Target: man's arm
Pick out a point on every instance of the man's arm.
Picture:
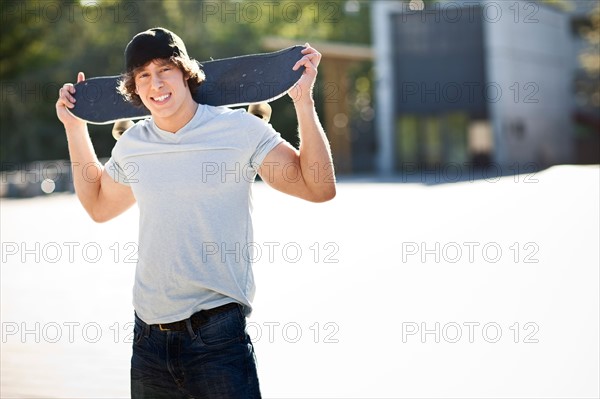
(100, 195)
(308, 172)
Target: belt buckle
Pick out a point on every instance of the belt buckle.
(160, 326)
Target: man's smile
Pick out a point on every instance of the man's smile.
(161, 99)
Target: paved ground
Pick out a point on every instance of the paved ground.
(473, 289)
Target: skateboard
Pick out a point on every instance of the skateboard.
(235, 81)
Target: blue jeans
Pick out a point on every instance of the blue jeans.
(215, 361)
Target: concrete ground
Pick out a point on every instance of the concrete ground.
(486, 288)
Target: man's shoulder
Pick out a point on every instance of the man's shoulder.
(222, 111)
(137, 132)
(236, 117)
(138, 129)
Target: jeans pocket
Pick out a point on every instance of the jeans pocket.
(222, 330)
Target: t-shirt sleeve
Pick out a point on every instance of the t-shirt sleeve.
(264, 139)
(115, 171)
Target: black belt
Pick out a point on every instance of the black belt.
(197, 319)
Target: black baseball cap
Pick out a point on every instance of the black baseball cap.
(152, 44)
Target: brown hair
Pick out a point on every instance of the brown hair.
(191, 72)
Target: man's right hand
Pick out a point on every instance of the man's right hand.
(66, 101)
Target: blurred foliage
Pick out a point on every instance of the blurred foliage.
(45, 43)
(563, 5)
(590, 59)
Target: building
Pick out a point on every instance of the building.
(473, 83)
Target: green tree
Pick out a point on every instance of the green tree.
(45, 43)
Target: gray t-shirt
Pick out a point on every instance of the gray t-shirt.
(193, 189)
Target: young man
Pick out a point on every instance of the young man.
(190, 168)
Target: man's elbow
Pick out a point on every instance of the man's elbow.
(323, 195)
(98, 217)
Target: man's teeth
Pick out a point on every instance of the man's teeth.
(161, 98)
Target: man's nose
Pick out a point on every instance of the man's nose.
(157, 82)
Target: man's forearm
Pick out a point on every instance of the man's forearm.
(315, 154)
(85, 165)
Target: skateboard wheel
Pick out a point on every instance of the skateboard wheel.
(261, 110)
(119, 127)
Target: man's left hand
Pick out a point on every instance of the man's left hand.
(302, 90)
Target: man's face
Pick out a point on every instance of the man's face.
(162, 88)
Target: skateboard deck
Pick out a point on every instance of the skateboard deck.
(242, 80)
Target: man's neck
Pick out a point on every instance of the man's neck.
(181, 118)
